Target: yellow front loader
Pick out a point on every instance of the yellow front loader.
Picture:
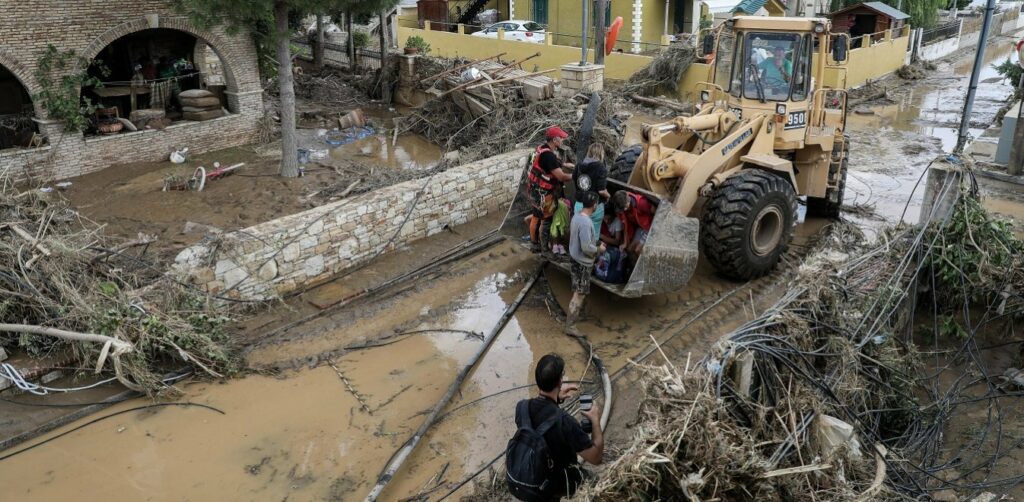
(726, 180)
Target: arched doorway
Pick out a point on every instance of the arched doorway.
(16, 112)
(144, 75)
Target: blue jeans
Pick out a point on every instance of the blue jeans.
(597, 217)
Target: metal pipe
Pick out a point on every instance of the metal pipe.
(583, 60)
(665, 32)
(979, 60)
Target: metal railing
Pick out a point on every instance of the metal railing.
(338, 54)
(948, 30)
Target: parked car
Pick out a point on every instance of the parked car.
(524, 31)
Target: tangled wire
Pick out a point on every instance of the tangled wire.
(68, 286)
(826, 396)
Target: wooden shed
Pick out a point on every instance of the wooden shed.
(868, 18)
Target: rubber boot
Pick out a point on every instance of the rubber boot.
(545, 239)
(573, 315)
(534, 234)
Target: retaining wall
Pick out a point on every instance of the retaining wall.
(289, 253)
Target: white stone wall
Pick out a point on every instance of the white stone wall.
(286, 254)
(940, 49)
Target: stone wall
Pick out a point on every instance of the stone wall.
(87, 26)
(286, 254)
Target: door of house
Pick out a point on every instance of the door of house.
(540, 11)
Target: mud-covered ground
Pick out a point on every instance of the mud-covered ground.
(319, 422)
(129, 198)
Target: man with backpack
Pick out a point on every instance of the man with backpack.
(540, 463)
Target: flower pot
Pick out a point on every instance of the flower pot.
(110, 127)
(412, 50)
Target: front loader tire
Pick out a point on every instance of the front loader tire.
(625, 162)
(829, 205)
(748, 224)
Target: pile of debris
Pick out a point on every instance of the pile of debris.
(485, 108)
(70, 288)
(664, 73)
(824, 396)
(916, 71)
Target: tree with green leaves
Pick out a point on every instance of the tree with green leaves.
(253, 15)
(274, 20)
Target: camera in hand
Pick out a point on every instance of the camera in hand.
(586, 402)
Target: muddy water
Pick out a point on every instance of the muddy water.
(382, 148)
(893, 142)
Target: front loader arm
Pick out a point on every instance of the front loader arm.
(720, 157)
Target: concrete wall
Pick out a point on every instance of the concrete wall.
(940, 49)
(445, 44)
(87, 26)
(286, 254)
(870, 63)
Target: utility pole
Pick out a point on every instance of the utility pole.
(979, 60)
(599, 32)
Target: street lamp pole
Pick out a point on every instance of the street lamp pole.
(979, 60)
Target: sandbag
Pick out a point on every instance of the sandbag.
(201, 116)
(196, 93)
(204, 102)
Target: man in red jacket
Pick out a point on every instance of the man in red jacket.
(544, 185)
(636, 214)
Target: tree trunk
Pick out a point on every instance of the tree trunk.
(286, 83)
(599, 31)
(350, 46)
(385, 69)
(318, 52)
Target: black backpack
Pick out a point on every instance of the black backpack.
(529, 466)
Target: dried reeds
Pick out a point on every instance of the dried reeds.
(59, 270)
(662, 74)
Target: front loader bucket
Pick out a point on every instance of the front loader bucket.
(670, 255)
(669, 258)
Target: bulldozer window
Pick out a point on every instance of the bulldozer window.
(802, 69)
(768, 69)
(725, 75)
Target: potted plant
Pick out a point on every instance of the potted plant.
(416, 45)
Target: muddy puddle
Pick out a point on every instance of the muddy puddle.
(376, 144)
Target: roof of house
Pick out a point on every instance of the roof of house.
(749, 6)
(879, 7)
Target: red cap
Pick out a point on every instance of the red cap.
(556, 132)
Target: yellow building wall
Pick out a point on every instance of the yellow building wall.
(565, 17)
(870, 63)
(445, 44)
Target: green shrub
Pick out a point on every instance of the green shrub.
(418, 43)
(360, 39)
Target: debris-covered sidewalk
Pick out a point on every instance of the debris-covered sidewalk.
(826, 395)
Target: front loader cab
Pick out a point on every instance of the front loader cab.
(770, 65)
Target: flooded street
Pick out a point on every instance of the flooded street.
(891, 142)
(320, 417)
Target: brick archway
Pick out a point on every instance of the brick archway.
(24, 76)
(229, 60)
